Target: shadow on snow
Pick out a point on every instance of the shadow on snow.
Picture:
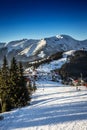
(51, 115)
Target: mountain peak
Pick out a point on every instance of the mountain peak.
(31, 50)
(59, 36)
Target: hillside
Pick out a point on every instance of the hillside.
(76, 66)
(53, 107)
(29, 50)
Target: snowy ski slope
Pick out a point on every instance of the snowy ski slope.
(53, 107)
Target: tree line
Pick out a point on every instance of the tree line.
(13, 90)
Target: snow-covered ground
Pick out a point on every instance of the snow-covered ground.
(52, 65)
(53, 107)
(30, 50)
(56, 64)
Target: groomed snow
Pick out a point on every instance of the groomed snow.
(42, 55)
(27, 51)
(56, 64)
(53, 107)
(69, 53)
(40, 45)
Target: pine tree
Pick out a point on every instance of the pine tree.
(20, 95)
(14, 82)
(13, 88)
(1, 91)
(4, 86)
(24, 95)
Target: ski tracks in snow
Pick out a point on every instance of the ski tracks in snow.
(51, 108)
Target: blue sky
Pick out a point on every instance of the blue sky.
(42, 18)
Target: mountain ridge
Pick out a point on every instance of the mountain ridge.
(28, 50)
(17, 40)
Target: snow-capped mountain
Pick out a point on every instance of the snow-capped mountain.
(30, 50)
(2, 44)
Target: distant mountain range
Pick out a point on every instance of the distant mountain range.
(29, 50)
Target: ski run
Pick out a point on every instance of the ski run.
(53, 107)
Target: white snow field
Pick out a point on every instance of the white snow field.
(53, 107)
(56, 64)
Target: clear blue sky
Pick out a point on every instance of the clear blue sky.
(42, 18)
